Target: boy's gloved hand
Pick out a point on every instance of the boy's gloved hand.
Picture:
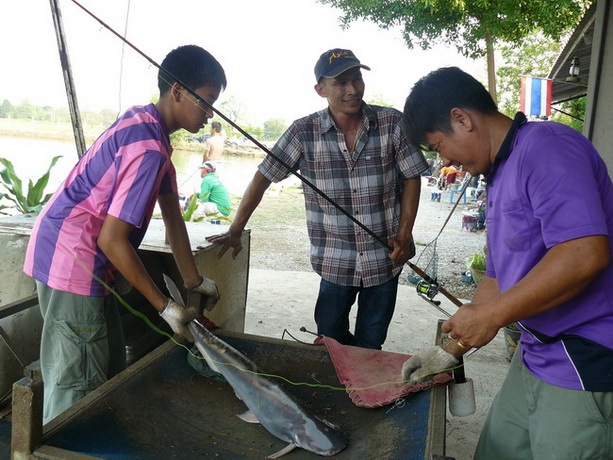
(427, 363)
(178, 317)
(208, 293)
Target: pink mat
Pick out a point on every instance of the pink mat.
(373, 377)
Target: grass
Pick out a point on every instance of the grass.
(280, 207)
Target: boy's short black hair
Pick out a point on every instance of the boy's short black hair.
(216, 126)
(428, 107)
(193, 66)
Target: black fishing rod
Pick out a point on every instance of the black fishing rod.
(384, 243)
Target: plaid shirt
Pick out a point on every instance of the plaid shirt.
(367, 183)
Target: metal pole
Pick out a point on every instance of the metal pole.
(77, 126)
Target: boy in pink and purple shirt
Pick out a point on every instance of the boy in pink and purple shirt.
(96, 220)
(120, 175)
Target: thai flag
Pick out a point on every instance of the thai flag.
(535, 96)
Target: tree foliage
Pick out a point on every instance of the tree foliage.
(273, 129)
(251, 129)
(378, 99)
(465, 24)
(27, 111)
(572, 113)
(233, 108)
(6, 108)
(534, 56)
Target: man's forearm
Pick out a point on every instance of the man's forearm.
(409, 204)
(565, 270)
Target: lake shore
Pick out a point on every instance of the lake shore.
(62, 132)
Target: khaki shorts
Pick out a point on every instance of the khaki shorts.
(82, 346)
(531, 419)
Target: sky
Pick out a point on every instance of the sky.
(268, 49)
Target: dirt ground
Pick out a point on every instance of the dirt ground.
(280, 241)
(283, 289)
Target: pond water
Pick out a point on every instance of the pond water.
(31, 159)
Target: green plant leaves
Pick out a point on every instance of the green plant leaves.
(191, 208)
(477, 261)
(32, 200)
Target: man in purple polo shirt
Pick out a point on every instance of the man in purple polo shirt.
(97, 218)
(549, 218)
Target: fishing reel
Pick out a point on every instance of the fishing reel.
(427, 289)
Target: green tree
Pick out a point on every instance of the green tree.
(24, 110)
(378, 99)
(273, 129)
(534, 56)
(253, 130)
(47, 113)
(6, 109)
(473, 27)
(572, 113)
(232, 108)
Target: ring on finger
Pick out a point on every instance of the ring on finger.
(460, 344)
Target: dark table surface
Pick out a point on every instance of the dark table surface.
(168, 410)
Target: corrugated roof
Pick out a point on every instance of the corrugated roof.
(579, 46)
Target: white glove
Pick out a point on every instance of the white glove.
(178, 318)
(209, 294)
(427, 363)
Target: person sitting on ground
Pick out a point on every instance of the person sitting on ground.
(213, 196)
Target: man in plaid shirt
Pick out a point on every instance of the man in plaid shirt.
(359, 157)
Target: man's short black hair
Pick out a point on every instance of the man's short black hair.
(428, 107)
(193, 66)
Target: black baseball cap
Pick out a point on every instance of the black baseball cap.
(336, 61)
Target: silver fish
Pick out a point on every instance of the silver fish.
(268, 403)
(273, 408)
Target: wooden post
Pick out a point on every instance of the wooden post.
(27, 417)
(71, 93)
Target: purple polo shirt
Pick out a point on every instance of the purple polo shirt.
(553, 187)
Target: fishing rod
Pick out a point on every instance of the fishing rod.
(209, 106)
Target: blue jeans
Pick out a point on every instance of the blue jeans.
(375, 310)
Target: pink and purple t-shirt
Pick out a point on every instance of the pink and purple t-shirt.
(121, 174)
